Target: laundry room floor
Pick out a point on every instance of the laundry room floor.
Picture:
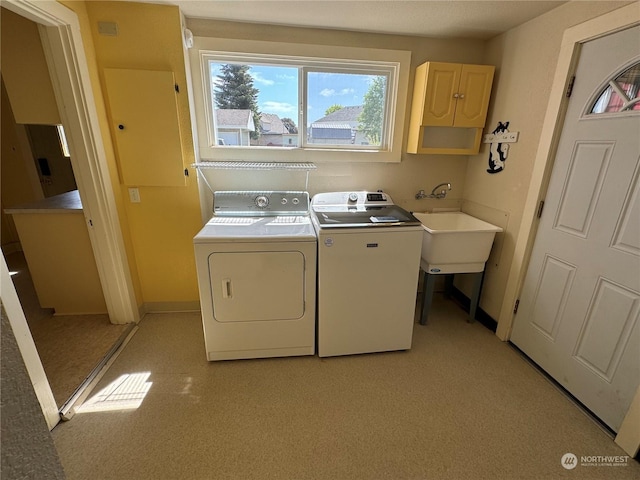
(459, 404)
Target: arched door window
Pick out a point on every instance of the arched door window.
(620, 94)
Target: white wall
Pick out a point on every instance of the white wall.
(526, 58)
(402, 180)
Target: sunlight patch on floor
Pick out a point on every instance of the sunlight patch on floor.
(125, 393)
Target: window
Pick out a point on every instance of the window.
(621, 93)
(253, 105)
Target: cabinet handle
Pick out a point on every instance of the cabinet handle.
(455, 95)
(121, 127)
(461, 96)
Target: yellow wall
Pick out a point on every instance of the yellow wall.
(85, 26)
(18, 182)
(162, 226)
(25, 72)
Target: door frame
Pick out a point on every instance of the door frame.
(63, 44)
(628, 437)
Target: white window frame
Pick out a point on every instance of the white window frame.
(310, 58)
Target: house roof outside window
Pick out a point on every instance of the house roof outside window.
(234, 118)
(339, 125)
(344, 115)
(272, 125)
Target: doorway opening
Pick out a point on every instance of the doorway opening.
(71, 345)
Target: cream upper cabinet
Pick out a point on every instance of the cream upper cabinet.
(449, 95)
(145, 125)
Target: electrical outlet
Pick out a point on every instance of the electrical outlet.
(504, 137)
(134, 195)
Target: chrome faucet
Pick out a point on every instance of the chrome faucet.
(435, 193)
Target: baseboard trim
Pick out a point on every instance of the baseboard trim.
(481, 316)
(170, 307)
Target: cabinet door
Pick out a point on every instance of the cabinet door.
(144, 119)
(473, 95)
(441, 88)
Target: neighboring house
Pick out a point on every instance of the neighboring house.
(234, 126)
(274, 133)
(340, 127)
(332, 133)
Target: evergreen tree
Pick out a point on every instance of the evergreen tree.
(235, 90)
(372, 117)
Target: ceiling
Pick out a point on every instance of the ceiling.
(479, 19)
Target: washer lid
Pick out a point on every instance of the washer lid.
(363, 216)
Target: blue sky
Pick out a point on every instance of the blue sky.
(278, 88)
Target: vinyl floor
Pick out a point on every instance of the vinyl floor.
(460, 404)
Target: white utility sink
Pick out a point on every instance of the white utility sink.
(454, 242)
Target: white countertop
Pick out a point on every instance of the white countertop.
(68, 202)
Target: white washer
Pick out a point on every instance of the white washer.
(368, 266)
(256, 265)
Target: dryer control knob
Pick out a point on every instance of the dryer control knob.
(353, 197)
(262, 201)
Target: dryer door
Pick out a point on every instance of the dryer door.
(254, 286)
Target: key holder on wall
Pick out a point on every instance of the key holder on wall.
(499, 139)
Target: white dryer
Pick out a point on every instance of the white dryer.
(256, 265)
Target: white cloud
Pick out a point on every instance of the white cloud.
(258, 78)
(286, 77)
(277, 107)
(330, 92)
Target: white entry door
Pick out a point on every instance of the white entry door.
(579, 308)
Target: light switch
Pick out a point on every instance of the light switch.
(134, 195)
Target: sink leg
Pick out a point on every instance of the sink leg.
(427, 297)
(475, 295)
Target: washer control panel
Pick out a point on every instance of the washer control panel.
(260, 203)
(351, 199)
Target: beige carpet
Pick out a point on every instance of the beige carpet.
(459, 405)
(69, 346)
